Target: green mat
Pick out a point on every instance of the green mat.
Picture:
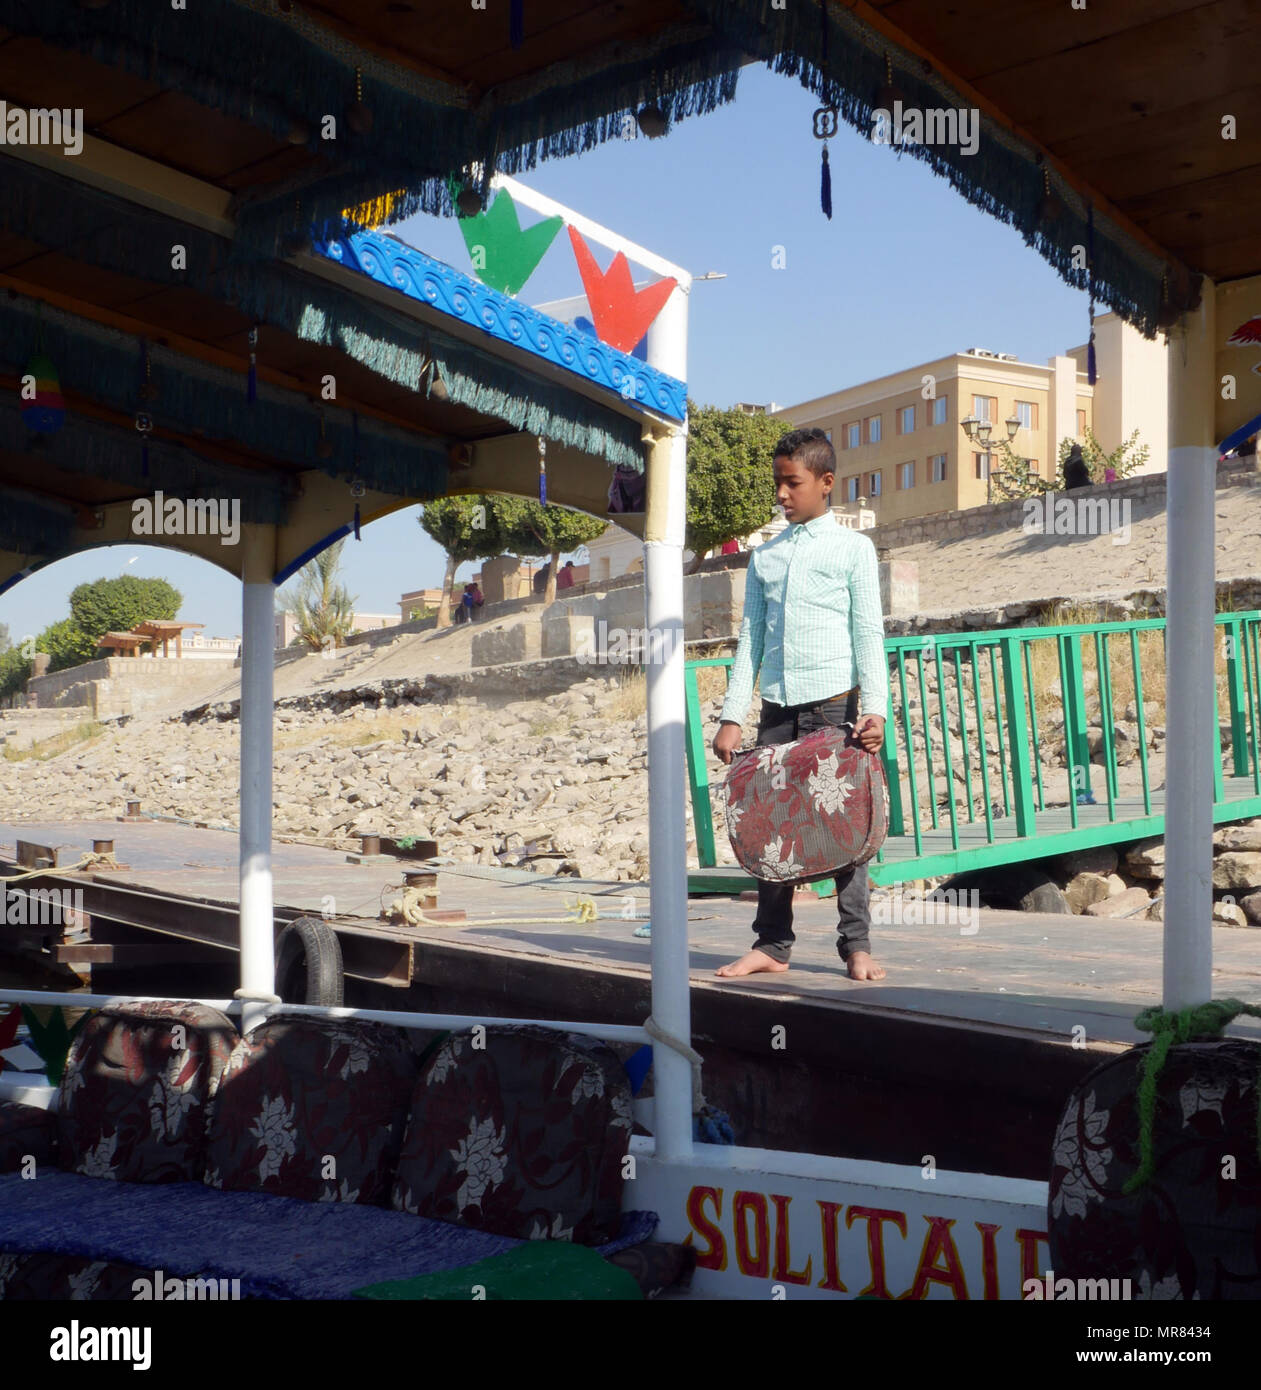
(536, 1271)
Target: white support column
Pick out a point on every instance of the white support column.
(1190, 692)
(258, 973)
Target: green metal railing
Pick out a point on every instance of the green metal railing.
(1055, 690)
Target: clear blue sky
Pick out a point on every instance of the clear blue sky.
(906, 271)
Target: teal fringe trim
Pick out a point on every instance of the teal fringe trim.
(195, 398)
(263, 68)
(1002, 178)
(105, 231)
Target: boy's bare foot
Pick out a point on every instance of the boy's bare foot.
(753, 964)
(862, 967)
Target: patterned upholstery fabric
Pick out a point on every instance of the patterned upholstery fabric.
(312, 1109)
(134, 1093)
(522, 1137)
(1191, 1231)
(802, 810)
(74, 1278)
(657, 1265)
(26, 1130)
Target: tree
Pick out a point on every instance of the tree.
(106, 605)
(466, 528)
(528, 527)
(730, 483)
(322, 607)
(1011, 476)
(1124, 459)
(15, 671)
(5, 640)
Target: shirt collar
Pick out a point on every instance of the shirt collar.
(817, 523)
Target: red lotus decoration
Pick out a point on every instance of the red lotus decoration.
(1246, 334)
(620, 312)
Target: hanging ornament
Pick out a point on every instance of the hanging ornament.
(43, 412)
(542, 471)
(324, 449)
(889, 95)
(508, 255)
(357, 490)
(359, 116)
(143, 420)
(516, 23)
(251, 378)
(652, 121)
(1168, 313)
(825, 126)
(298, 238)
(1049, 206)
(621, 313)
(1090, 270)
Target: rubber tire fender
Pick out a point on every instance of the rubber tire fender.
(309, 957)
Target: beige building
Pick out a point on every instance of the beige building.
(900, 448)
(287, 626)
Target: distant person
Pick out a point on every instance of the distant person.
(565, 579)
(1109, 475)
(731, 547)
(473, 599)
(1076, 474)
(540, 577)
(463, 608)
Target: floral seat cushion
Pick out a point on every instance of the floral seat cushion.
(312, 1109)
(133, 1096)
(804, 810)
(1190, 1231)
(522, 1136)
(28, 1134)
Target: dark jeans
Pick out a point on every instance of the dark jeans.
(773, 924)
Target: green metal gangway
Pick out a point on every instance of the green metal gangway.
(986, 797)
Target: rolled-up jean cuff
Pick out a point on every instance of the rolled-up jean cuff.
(777, 950)
(850, 945)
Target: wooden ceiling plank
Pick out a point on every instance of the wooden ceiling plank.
(39, 74)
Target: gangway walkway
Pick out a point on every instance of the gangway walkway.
(1045, 725)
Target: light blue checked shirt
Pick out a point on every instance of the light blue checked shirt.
(812, 621)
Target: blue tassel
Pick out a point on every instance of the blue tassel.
(516, 23)
(712, 1127)
(356, 520)
(542, 488)
(1090, 357)
(825, 187)
(251, 381)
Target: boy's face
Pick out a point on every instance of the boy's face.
(798, 491)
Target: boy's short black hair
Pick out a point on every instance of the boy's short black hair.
(811, 448)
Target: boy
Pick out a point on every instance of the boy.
(813, 627)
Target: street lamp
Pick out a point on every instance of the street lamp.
(980, 432)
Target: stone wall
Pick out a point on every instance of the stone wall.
(116, 686)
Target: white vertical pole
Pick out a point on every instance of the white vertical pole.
(258, 975)
(667, 825)
(1190, 687)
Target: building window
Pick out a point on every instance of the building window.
(851, 488)
(937, 411)
(906, 420)
(937, 468)
(829, 435)
(982, 466)
(1027, 414)
(873, 430)
(906, 475)
(1081, 424)
(1031, 465)
(873, 485)
(985, 408)
(853, 435)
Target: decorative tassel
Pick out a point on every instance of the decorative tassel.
(825, 186)
(1090, 267)
(516, 24)
(356, 520)
(251, 380)
(542, 471)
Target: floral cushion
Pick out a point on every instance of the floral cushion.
(27, 1132)
(1190, 1232)
(523, 1136)
(78, 1278)
(804, 810)
(134, 1092)
(312, 1109)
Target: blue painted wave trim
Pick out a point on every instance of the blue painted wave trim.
(391, 262)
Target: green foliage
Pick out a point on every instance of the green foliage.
(15, 670)
(66, 644)
(1011, 476)
(529, 528)
(5, 640)
(322, 607)
(1125, 458)
(116, 605)
(467, 528)
(730, 485)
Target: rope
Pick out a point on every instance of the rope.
(1199, 1021)
(88, 861)
(582, 909)
(709, 1125)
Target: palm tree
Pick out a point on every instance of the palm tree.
(323, 609)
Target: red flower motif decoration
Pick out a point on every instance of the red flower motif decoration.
(1247, 333)
(620, 312)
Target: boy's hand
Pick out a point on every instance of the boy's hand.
(869, 732)
(726, 741)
